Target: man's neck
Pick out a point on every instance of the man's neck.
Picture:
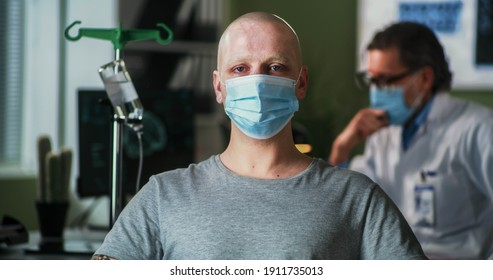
(265, 159)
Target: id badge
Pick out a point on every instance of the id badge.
(424, 205)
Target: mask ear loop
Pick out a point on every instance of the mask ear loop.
(220, 79)
(417, 102)
(299, 76)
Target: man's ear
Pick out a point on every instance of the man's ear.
(427, 78)
(217, 87)
(302, 85)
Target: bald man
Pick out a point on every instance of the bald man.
(261, 198)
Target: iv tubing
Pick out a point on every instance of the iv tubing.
(141, 159)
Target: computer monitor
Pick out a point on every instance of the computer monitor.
(168, 139)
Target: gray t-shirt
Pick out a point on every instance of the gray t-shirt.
(208, 212)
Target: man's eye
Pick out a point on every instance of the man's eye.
(239, 69)
(378, 81)
(276, 67)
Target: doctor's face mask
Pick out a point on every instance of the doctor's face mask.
(391, 100)
(260, 105)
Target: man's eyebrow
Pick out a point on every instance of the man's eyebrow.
(245, 60)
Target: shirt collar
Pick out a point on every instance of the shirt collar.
(410, 130)
(421, 117)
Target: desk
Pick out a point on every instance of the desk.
(78, 244)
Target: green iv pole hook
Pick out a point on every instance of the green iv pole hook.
(119, 37)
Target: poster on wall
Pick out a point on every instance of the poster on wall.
(464, 27)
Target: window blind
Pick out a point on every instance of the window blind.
(11, 89)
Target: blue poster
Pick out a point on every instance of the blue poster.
(442, 16)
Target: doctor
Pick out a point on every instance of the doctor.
(432, 153)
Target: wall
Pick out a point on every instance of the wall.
(22, 208)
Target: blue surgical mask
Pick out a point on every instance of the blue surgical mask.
(260, 105)
(391, 100)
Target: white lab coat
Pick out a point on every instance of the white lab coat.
(456, 142)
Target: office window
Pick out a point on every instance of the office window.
(11, 91)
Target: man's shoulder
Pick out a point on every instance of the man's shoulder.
(472, 118)
(465, 109)
(193, 170)
(345, 177)
(479, 110)
(191, 167)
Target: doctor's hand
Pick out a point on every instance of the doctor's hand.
(364, 123)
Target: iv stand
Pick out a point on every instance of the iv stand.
(116, 201)
(119, 38)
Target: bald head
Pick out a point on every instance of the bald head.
(253, 27)
(259, 43)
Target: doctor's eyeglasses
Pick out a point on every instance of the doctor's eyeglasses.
(364, 80)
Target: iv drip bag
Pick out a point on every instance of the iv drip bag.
(122, 94)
